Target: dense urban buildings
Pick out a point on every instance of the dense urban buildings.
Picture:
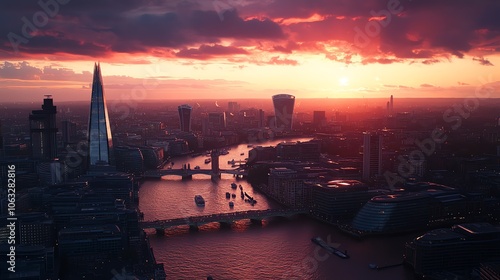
(460, 248)
(335, 175)
(250, 140)
(331, 167)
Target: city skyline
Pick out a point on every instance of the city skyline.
(320, 139)
(221, 49)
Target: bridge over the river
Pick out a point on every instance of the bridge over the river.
(187, 173)
(223, 218)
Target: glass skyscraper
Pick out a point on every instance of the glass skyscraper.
(283, 111)
(185, 117)
(372, 155)
(100, 140)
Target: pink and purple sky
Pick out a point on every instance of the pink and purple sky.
(223, 49)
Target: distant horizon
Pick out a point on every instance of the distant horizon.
(196, 48)
(244, 99)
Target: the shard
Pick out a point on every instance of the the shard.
(100, 140)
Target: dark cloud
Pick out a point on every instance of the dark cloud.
(209, 51)
(427, 86)
(24, 71)
(21, 71)
(282, 61)
(483, 61)
(428, 31)
(99, 29)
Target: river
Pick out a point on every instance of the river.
(275, 249)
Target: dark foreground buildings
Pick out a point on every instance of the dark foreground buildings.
(458, 250)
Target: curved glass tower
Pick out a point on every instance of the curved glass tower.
(185, 117)
(100, 140)
(283, 111)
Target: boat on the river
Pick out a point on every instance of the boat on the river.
(329, 249)
(199, 200)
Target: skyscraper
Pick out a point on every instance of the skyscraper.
(99, 134)
(372, 155)
(233, 107)
(283, 111)
(319, 118)
(391, 106)
(217, 121)
(185, 117)
(261, 119)
(1, 139)
(43, 131)
(69, 133)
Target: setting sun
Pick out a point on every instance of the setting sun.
(344, 81)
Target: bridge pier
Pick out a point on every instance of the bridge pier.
(225, 224)
(193, 227)
(160, 231)
(256, 221)
(187, 177)
(215, 177)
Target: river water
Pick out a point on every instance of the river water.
(276, 249)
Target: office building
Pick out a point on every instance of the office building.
(86, 251)
(233, 107)
(319, 118)
(1, 139)
(372, 155)
(36, 228)
(69, 133)
(338, 200)
(462, 247)
(391, 213)
(216, 121)
(262, 122)
(261, 153)
(185, 117)
(153, 157)
(287, 187)
(43, 131)
(408, 211)
(283, 112)
(301, 151)
(99, 134)
(129, 159)
(31, 262)
(50, 172)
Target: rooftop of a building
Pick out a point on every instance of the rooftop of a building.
(283, 96)
(344, 184)
(476, 229)
(459, 233)
(397, 198)
(441, 235)
(79, 232)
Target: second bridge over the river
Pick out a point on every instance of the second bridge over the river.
(223, 218)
